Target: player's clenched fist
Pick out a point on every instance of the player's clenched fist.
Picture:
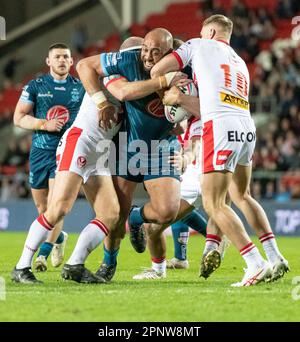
(173, 78)
(107, 115)
(107, 111)
(172, 96)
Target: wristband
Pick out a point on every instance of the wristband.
(163, 82)
(169, 77)
(42, 125)
(98, 98)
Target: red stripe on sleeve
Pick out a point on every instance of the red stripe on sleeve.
(179, 60)
(113, 80)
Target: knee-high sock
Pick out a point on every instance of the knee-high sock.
(90, 238)
(270, 247)
(38, 232)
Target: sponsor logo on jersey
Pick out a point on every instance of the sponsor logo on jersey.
(222, 156)
(25, 95)
(81, 162)
(60, 88)
(112, 58)
(45, 95)
(241, 136)
(58, 112)
(75, 96)
(156, 108)
(234, 101)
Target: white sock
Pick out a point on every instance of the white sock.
(37, 234)
(159, 265)
(89, 239)
(270, 247)
(252, 257)
(212, 242)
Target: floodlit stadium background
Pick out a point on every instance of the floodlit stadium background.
(266, 34)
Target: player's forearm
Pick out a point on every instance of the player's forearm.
(88, 76)
(138, 90)
(89, 79)
(190, 104)
(165, 65)
(29, 122)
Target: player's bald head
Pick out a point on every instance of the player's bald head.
(160, 37)
(132, 42)
(157, 43)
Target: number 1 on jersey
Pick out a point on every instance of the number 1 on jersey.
(241, 81)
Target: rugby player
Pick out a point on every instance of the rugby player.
(48, 105)
(77, 156)
(228, 144)
(145, 122)
(79, 254)
(190, 192)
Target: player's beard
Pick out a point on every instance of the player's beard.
(61, 72)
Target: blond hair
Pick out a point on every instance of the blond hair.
(225, 24)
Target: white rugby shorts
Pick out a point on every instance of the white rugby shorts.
(190, 184)
(226, 142)
(77, 152)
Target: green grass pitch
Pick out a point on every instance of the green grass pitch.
(182, 296)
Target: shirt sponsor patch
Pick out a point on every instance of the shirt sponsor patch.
(25, 94)
(222, 156)
(234, 101)
(45, 95)
(112, 58)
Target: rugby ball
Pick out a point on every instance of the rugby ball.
(176, 113)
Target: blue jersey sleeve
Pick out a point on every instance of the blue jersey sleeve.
(28, 94)
(117, 62)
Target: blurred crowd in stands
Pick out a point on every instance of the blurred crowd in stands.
(278, 142)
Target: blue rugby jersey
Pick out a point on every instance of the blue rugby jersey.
(53, 99)
(145, 119)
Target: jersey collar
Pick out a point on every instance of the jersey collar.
(222, 41)
(58, 81)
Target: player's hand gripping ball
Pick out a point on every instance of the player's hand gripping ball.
(174, 113)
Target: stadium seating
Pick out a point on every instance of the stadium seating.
(183, 20)
(9, 99)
